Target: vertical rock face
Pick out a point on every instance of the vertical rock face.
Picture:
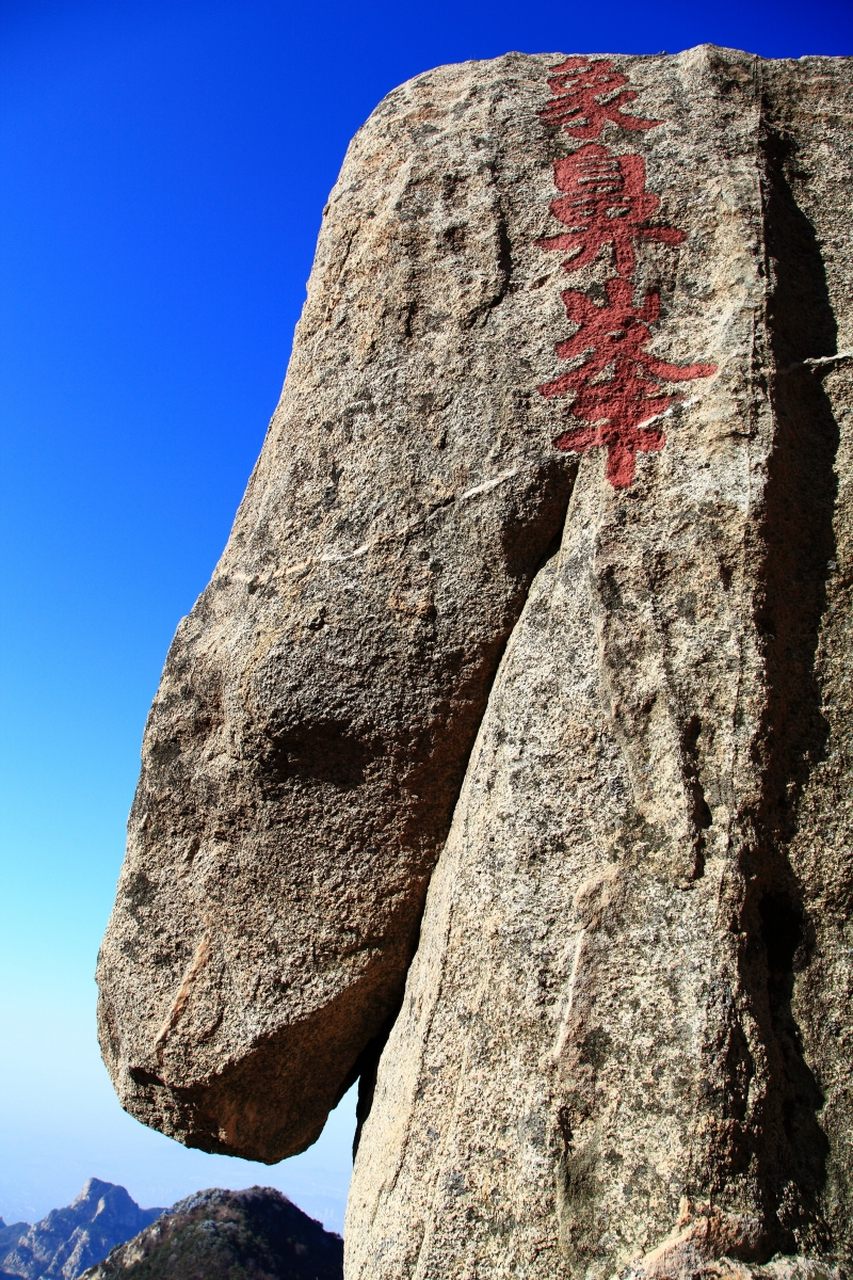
(625, 1041)
(556, 500)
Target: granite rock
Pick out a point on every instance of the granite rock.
(625, 1042)
(538, 600)
(318, 706)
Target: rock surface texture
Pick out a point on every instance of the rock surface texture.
(66, 1242)
(10, 1234)
(538, 599)
(228, 1235)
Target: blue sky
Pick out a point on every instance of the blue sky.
(164, 167)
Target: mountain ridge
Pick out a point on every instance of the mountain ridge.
(67, 1241)
(227, 1235)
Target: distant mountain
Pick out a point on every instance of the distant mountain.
(10, 1234)
(69, 1240)
(228, 1235)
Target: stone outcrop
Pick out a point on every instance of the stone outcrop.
(538, 599)
(305, 751)
(10, 1234)
(62, 1245)
(227, 1235)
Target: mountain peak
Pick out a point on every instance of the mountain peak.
(224, 1235)
(67, 1241)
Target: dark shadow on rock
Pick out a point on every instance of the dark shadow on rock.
(797, 533)
(326, 751)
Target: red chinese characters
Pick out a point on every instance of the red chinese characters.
(605, 202)
(618, 385)
(615, 336)
(578, 86)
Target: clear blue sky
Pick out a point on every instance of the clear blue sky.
(163, 167)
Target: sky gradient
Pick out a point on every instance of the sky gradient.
(164, 168)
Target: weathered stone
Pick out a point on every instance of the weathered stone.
(625, 1039)
(306, 748)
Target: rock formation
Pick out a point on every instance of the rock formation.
(10, 1234)
(66, 1242)
(228, 1235)
(538, 599)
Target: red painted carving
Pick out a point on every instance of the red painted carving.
(615, 336)
(605, 202)
(578, 86)
(618, 385)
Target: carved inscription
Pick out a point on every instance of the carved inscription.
(605, 203)
(578, 85)
(618, 385)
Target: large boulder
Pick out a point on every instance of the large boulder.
(625, 1044)
(318, 706)
(557, 500)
